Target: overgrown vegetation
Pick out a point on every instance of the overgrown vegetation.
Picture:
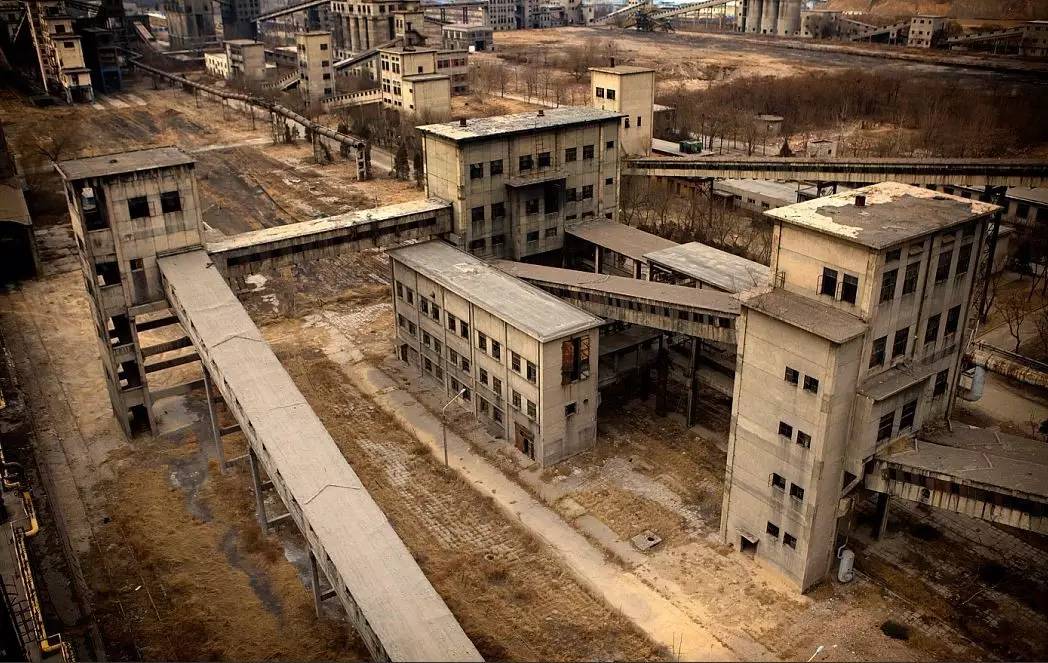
(872, 114)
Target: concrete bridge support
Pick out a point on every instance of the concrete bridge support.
(769, 17)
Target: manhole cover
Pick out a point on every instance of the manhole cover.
(646, 540)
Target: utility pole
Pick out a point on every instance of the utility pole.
(444, 423)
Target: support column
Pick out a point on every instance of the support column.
(598, 258)
(662, 377)
(693, 382)
(769, 17)
(354, 34)
(260, 501)
(209, 391)
(314, 575)
(883, 499)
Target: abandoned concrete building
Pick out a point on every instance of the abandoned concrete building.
(515, 181)
(410, 81)
(466, 37)
(519, 357)
(63, 58)
(127, 209)
(630, 91)
(316, 76)
(858, 346)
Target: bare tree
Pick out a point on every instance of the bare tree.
(1014, 309)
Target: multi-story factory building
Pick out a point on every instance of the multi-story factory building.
(521, 359)
(858, 346)
(630, 91)
(515, 181)
(317, 77)
(127, 209)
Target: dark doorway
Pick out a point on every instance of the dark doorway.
(748, 547)
(16, 252)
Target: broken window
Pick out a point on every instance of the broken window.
(849, 289)
(544, 160)
(531, 206)
(533, 411)
(170, 201)
(940, 382)
(796, 492)
(496, 167)
(496, 385)
(138, 207)
(790, 540)
(571, 154)
(532, 372)
(964, 257)
(953, 317)
(570, 409)
(587, 151)
(483, 375)
(909, 412)
(516, 399)
(434, 312)
(828, 283)
(909, 284)
(893, 255)
(515, 362)
(463, 329)
(885, 425)
(587, 191)
(107, 273)
(611, 94)
(476, 171)
(773, 530)
(931, 330)
(942, 270)
(888, 285)
(524, 163)
(778, 481)
(496, 350)
(533, 236)
(610, 145)
(877, 353)
(600, 92)
(785, 430)
(452, 322)
(811, 384)
(792, 375)
(574, 359)
(902, 337)
(551, 232)
(803, 439)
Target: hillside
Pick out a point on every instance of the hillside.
(1014, 10)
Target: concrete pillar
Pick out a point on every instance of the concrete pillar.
(354, 34)
(598, 258)
(260, 501)
(769, 17)
(883, 499)
(220, 452)
(314, 576)
(789, 22)
(693, 382)
(662, 370)
(753, 16)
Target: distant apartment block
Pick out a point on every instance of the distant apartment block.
(925, 30)
(317, 78)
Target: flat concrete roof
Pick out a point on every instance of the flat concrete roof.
(626, 240)
(329, 223)
(502, 126)
(770, 188)
(411, 620)
(981, 456)
(400, 49)
(812, 316)
(1038, 196)
(526, 307)
(124, 162)
(12, 203)
(420, 78)
(893, 213)
(624, 70)
(623, 286)
(465, 26)
(711, 266)
(244, 42)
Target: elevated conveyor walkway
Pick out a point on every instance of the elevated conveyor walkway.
(702, 313)
(982, 473)
(960, 172)
(385, 594)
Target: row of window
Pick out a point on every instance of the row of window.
(526, 162)
(787, 538)
(942, 272)
(901, 339)
(793, 376)
(605, 93)
(138, 207)
(778, 482)
(488, 345)
(786, 431)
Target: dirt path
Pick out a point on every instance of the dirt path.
(513, 597)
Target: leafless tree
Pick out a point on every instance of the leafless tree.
(1014, 308)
